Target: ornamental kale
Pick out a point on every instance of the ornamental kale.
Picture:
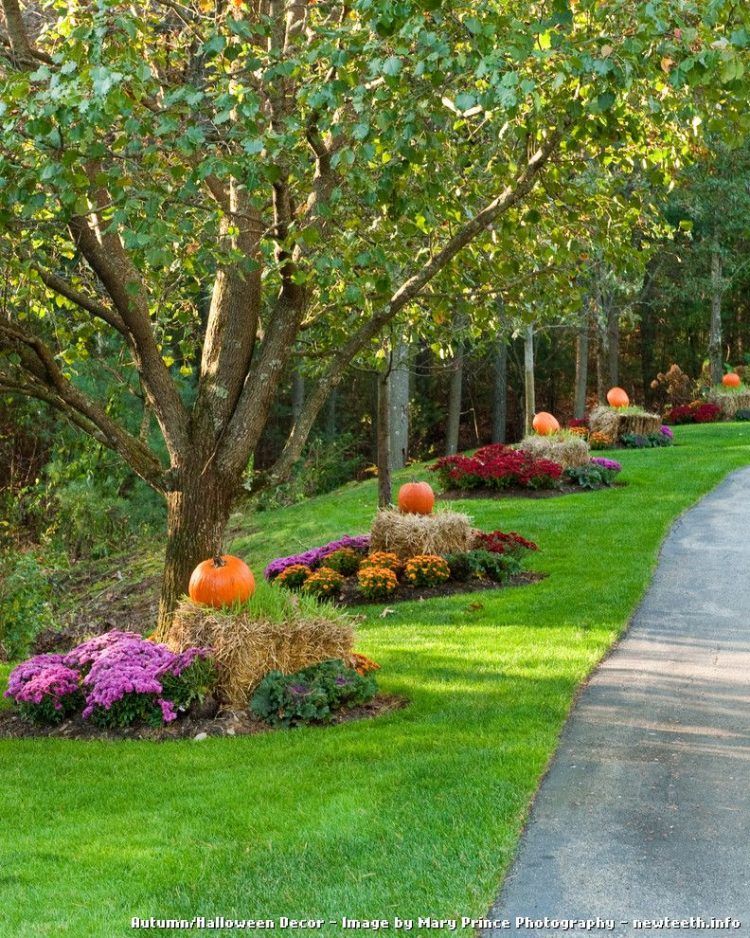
(45, 689)
(312, 695)
(312, 558)
(598, 472)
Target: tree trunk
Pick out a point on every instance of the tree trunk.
(613, 344)
(398, 400)
(298, 395)
(500, 391)
(582, 366)
(330, 417)
(197, 516)
(529, 395)
(453, 424)
(715, 357)
(647, 331)
(384, 439)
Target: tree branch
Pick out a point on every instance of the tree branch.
(61, 286)
(20, 43)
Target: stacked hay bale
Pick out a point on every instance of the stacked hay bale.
(730, 401)
(407, 535)
(612, 422)
(247, 643)
(565, 449)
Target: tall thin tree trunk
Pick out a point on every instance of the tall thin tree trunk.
(398, 399)
(384, 438)
(330, 413)
(715, 356)
(582, 365)
(613, 344)
(453, 423)
(298, 394)
(500, 390)
(529, 395)
(197, 515)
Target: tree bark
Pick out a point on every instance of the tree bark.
(455, 387)
(197, 515)
(613, 344)
(528, 380)
(384, 438)
(582, 366)
(398, 400)
(298, 395)
(715, 357)
(330, 415)
(500, 390)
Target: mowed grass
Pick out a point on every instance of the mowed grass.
(414, 814)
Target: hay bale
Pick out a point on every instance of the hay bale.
(615, 424)
(445, 532)
(729, 402)
(565, 449)
(247, 644)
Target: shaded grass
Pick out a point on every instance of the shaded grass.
(416, 813)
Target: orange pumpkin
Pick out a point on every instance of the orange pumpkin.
(221, 581)
(545, 424)
(731, 380)
(416, 498)
(616, 397)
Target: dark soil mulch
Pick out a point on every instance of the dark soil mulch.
(225, 723)
(352, 597)
(518, 492)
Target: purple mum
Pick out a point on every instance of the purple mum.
(667, 432)
(43, 678)
(611, 465)
(312, 558)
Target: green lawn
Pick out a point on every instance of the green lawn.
(417, 813)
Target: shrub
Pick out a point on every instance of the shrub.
(273, 630)
(646, 441)
(118, 678)
(314, 557)
(25, 594)
(742, 414)
(498, 542)
(345, 561)
(565, 448)
(426, 570)
(45, 689)
(462, 567)
(383, 558)
(376, 582)
(600, 440)
(294, 577)
(497, 466)
(324, 583)
(695, 412)
(312, 695)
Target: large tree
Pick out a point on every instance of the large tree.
(217, 187)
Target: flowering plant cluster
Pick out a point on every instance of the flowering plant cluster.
(648, 440)
(314, 557)
(345, 560)
(324, 583)
(581, 431)
(497, 466)
(383, 558)
(312, 695)
(578, 422)
(115, 679)
(600, 440)
(294, 577)
(500, 542)
(695, 412)
(426, 570)
(612, 465)
(376, 582)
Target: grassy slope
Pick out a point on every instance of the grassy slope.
(416, 813)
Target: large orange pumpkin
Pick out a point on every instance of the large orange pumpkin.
(545, 424)
(731, 380)
(616, 397)
(221, 581)
(416, 498)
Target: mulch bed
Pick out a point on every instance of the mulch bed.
(352, 597)
(196, 727)
(519, 492)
